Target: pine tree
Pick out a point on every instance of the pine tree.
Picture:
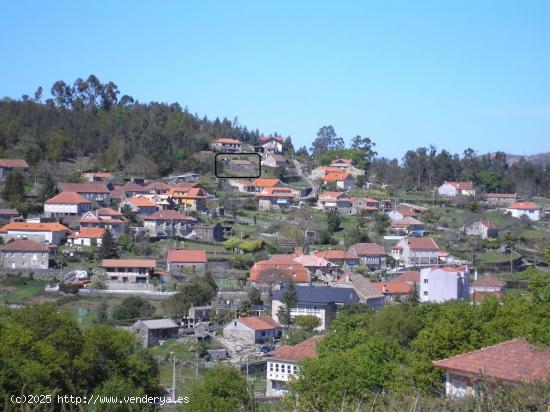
(288, 301)
(49, 189)
(14, 189)
(109, 247)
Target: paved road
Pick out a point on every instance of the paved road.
(311, 183)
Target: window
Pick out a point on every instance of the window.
(276, 367)
(425, 293)
(425, 280)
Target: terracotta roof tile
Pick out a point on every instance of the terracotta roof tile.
(129, 263)
(67, 198)
(168, 215)
(488, 280)
(511, 361)
(34, 227)
(524, 206)
(395, 287)
(187, 256)
(259, 322)
(24, 246)
(14, 163)
(296, 353)
(336, 254)
(336, 176)
(84, 187)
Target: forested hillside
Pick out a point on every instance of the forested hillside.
(90, 118)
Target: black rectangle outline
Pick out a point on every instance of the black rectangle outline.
(239, 154)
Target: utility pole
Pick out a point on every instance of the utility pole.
(173, 376)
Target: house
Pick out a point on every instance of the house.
(528, 209)
(440, 284)
(242, 185)
(152, 331)
(95, 192)
(139, 204)
(244, 166)
(105, 218)
(129, 270)
(484, 229)
(452, 189)
(412, 278)
(341, 180)
(179, 261)
(227, 145)
(363, 287)
(408, 225)
(364, 204)
(320, 301)
(253, 330)
(25, 254)
(346, 165)
(208, 233)
(134, 188)
(189, 198)
(157, 188)
(168, 223)
(501, 199)
(413, 251)
(263, 183)
(94, 177)
(396, 289)
(278, 270)
(275, 198)
(38, 232)
(371, 255)
(8, 165)
(487, 283)
(283, 364)
(67, 204)
(398, 214)
(274, 160)
(341, 258)
(338, 201)
(8, 215)
(271, 144)
(316, 265)
(510, 363)
(87, 236)
(161, 201)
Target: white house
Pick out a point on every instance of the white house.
(67, 204)
(129, 270)
(283, 364)
(338, 201)
(39, 232)
(105, 218)
(342, 180)
(528, 209)
(87, 236)
(226, 145)
(452, 189)
(275, 198)
(416, 251)
(440, 284)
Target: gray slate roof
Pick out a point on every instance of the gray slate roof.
(321, 294)
(159, 323)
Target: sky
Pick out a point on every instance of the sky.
(454, 74)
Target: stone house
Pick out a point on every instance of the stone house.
(25, 254)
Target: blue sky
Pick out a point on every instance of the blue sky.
(455, 74)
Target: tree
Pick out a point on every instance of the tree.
(14, 188)
(102, 313)
(131, 215)
(382, 223)
(289, 300)
(355, 235)
(223, 388)
(133, 308)
(109, 247)
(366, 146)
(307, 322)
(49, 188)
(326, 140)
(333, 221)
(254, 296)
(288, 147)
(200, 291)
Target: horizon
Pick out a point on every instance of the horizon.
(406, 77)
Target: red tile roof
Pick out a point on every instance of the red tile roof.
(67, 198)
(336, 176)
(367, 249)
(88, 233)
(462, 185)
(395, 287)
(14, 163)
(260, 322)
(24, 246)
(33, 227)
(512, 361)
(524, 206)
(141, 202)
(488, 280)
(407, 212)
(263, 182)
(422, 243)
(324, 196)
(336, 255)
(276, 192)
(296, 353)
(187, 256)
(409, 277)
(129, 263)
(478, 296)
(84, 187)
(226, 140)
(107, 211)
(279, 269)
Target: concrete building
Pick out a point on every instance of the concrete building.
(67, 204)
(129, 270)
(283, 364)
(253, 330)
(208, 233)
(453, 189)
(87, 236)
(371, 255)
(508, 363)
(275, 198)
(95, 192)
(168, 223)
(320, 301)
(440, 284)
(528, 209)
(342, 180)
(411, 251)
(25, 254)
(227, 145)
(179, 262)
(483, 229)
(105, 218)
(152, 331)
(9, 165)
(139, 204)
(38, 232)
(338, 201)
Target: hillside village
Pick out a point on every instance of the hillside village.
(256, 268)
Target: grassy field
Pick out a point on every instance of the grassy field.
(496, 257)
(535, 234)
(19, 290)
